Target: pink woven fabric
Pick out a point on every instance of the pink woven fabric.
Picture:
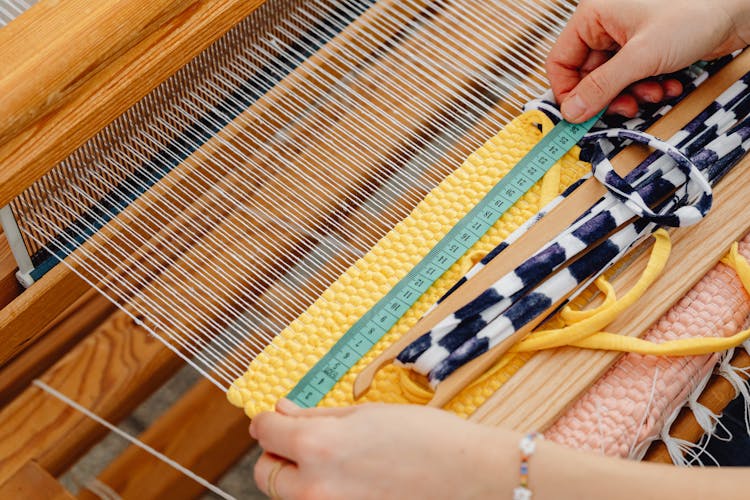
(629, 405)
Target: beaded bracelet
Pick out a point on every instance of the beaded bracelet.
(527, 447)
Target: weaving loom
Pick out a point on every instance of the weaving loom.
(218, 182)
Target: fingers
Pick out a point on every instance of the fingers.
(286, 481)
(565, 59)
(600, 87)
(624, 105)
(648, 91)
(282, 432)
(672, 88)
(582, 46)
(277, 433)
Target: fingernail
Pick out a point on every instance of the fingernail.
(573, 108)
(285, 405)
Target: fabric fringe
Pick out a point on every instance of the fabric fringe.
(685, 453)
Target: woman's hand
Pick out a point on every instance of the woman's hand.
(608, 45)
(382, 451)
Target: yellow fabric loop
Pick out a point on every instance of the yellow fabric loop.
(550, 184)
(739, 264)
(614, 342)
(571, 316)
(414, 392)
(682, 347)
(547, 339)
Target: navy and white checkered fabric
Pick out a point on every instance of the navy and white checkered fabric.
(672, 187)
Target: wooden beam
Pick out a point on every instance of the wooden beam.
(32, 482)
(54, 341)
(9, 286)
(201, 432)
(29, 314)
(110, 373)
(89, 63)
(54, 48)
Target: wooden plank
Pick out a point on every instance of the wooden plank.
(102, 89)
(110, 373)
(54, 48)
(201, 432)
(32, 482)
(53, 342)
(27, 316)
(546, 385)
(9, 286)
(716, 396)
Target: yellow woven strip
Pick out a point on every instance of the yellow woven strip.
(295, 350)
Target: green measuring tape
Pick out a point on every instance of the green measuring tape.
(371, 327)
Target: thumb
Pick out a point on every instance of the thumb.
(601, 86)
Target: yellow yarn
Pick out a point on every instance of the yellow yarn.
(582, 327)
(296, 349)
(589, 324)
(681, 347)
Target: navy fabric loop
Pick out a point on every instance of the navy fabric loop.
(695, 188)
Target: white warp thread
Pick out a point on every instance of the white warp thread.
(133, 440)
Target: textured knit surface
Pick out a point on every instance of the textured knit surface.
(627, 408)
(295, 350)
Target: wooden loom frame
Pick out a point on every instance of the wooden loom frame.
(60, 315)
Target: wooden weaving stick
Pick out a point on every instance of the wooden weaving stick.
(560, 218)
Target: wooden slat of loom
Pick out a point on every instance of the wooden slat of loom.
(102, 91)
(716, 396)
(30, 313)
(546, 385)
(54, 341)
(201, 432)
(32, 482)
(110, 373)
(9, 286)
(86, 38)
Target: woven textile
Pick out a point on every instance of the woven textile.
(293, 352)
